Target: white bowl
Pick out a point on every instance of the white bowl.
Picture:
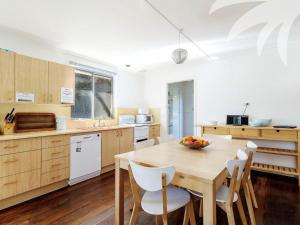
(212, 123)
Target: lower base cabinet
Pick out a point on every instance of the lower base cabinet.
(116, 142)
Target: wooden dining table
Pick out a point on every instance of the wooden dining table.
(202, 170)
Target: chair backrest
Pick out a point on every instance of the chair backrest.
(165, 139)
(144, 144)
(241, 163)
(150, 178)
(251, 147)
(217, 137)
(242, 155)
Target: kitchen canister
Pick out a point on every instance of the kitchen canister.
(61, 123)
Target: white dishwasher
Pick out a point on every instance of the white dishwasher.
(85, 158)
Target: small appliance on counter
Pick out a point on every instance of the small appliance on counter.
(144, 118)
(61, 123)
(126, 119)
(237, 120)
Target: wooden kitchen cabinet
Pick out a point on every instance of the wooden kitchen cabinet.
(115, 142)
(110, 146)
(154, 131)
(126, 140)
(7, 66)
(60, 76)
(31, 76)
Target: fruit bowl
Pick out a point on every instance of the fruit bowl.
(194, 143)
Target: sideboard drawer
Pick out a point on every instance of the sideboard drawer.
(55, 164)
(55, 176)
(285, 135)
(54, 141)
(20, 145)
(216, 130)
(19, 183)
(244, 132)
(19, 162)
(55, 152)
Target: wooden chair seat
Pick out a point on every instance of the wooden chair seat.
(152, 202)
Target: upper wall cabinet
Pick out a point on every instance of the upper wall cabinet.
(31, 76)
(60, 76)
(7, 76)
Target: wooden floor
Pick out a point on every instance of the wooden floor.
(92, 202)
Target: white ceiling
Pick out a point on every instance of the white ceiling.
(126, 31)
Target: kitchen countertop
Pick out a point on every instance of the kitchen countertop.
(75, 131)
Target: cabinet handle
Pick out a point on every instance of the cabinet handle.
(10, 147)
(56, 141)
(277, 131)
(55, 153)
(55, 165)
(10, 183)
(215, 128)
(243, 129)
(52, 178)
(11, 161)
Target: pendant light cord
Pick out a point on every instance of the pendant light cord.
(178, 29)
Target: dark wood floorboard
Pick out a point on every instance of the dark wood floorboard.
(92, 202)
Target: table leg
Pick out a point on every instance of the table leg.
(119, 194)
(209, 205)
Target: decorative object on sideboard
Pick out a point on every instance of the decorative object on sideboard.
(212, 123)
(61, 123)
(237, 120)
(260, 122)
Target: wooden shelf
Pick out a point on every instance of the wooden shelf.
(277, 151)
(274, 169)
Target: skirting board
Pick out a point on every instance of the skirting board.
(5, 203)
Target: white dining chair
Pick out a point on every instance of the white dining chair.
(226, 196)
(217, 137)
(159, 198)
(251, 147)
(144, 144)
(165, 139)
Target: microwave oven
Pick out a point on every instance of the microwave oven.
(144, 118)
(237, 120)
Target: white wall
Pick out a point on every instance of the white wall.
(222, 86)
(128, 86)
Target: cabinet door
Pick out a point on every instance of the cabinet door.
(126, 140)
(110, 146)
(31, 76)
(7, 65)
(59, 76)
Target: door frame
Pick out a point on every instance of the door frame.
(195, 103)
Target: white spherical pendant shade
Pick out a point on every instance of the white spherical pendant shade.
(179, 55)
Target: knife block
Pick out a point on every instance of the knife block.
(8, 128)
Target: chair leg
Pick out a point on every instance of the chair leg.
(165, 219)
(156, 220)
(191, 213)
(249, 203)
(251, 189)
(230, 215)
(134, 215)
(241, 211)
(201, 208)
(186, 216)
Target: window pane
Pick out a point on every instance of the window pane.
(103, 103)
(83, 96)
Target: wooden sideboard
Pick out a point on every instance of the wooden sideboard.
(264, 133)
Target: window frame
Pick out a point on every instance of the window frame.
(93, 75)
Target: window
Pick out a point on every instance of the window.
(93, 96)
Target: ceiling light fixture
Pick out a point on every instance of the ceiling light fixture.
(181, 53)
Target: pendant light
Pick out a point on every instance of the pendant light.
(179, 55)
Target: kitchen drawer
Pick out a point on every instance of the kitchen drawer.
(55, 176)
(19, 162)
(154, 131)
(244, 132)
(20, 145)
(54, 141)
(55, 152)
(19, 183)
(55, 164)
(285, 135)
(216, 130)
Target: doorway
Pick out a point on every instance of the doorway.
(181, 108)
